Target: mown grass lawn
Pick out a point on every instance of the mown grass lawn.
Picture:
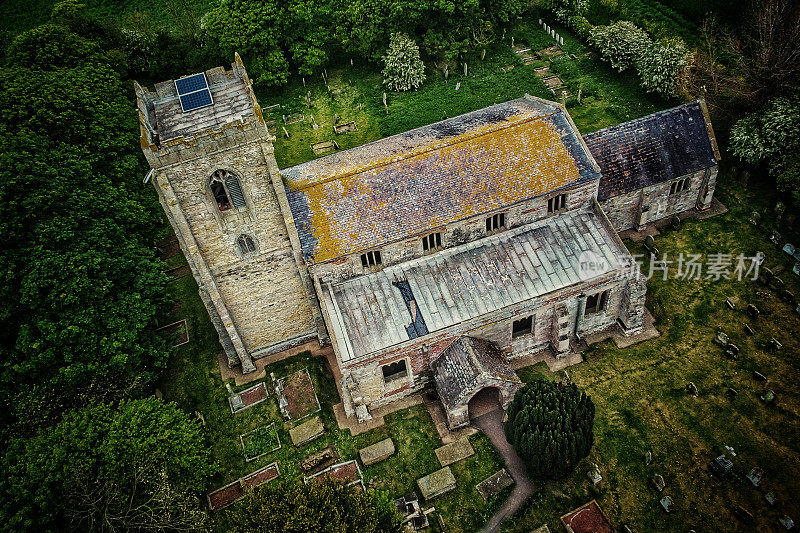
(642, 402)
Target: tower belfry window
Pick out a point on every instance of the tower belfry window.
(246, 244)
(227, 190)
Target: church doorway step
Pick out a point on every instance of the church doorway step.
(484, 401)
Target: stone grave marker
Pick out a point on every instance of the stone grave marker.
(730, 450)
(786, 522)
(777, 283)
(752, 311)
(722, 338)
(721, 466)
(666, 503)
(691, 388)
(775, 344)
(768, 396)
(770, 497)
(658, 482)
(307, 431)
(767, 275)
(732, 350)
(494, 484)
(440, 482)
(756, 475)
(236, 402)
(594, 474)
(759, 376)
(730, 303)
(377, 452)
(787, 296)
(731, 393)
(647, 458)
(454, 452)
(675, 222)
(743, 514)
(749, 330)
(319, 460)
(542, 529)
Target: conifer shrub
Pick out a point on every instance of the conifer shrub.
(404, 69)
(550, 425)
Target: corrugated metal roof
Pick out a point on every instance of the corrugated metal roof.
(369, 313)
(652, 149)
(410, 183)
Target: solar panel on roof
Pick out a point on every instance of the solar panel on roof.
(193, 92)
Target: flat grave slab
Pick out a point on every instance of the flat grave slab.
(494, 484)
(454, 452)
(347, 471)
(231, 492)
(248, 397)
(324, 147)
(347, 127)
(319, 460)
(437, 483)
(377, 452)
(307, 431)
(260, 442)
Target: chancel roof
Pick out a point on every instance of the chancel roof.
(652, 149)
(426, 178)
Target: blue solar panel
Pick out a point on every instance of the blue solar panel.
(196, 100)
(191, 84)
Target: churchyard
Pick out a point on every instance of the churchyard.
(651, 431)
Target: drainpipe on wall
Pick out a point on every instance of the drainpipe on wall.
(579, 315)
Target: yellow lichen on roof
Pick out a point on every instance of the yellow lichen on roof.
(440, 182)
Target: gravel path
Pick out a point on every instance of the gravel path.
(491, 423)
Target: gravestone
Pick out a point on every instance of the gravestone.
(377, 452)
(756, 475)
(722, 338)
(494, 484)
(767, 275)
(721, 466)
(753, 311)
(768, 396)
(743, 514)
(730, 450)
(786, 522)
(236, 402)
(775, 344)
(749, 330)
(437, 483)
(647, 458)
(732, 350)
(319, 460)
(770, 497)
(675, 222)
(658, 482)
(594, 474)
(666, 503)
(307, 431)
(759, 376)
(454, 452)
(731, 393)
(787, 296)
(777, 283)
(730, 303)
(691, 388)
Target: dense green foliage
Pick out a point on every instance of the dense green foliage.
(81, 287)
(550, 425)
(661, 65)
(324, 506)
(403, 69)
(622, 44)
(136, 466)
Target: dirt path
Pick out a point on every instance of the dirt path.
(491, 423)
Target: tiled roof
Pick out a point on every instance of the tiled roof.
(464, 364)
(652, 149)
(431, 176)
(455, 285)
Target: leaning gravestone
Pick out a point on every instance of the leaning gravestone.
(494, 484)
(436, 484)
(691, 388)
(722, 338)
(454, 452)
(775, 344)
(721, 466)
(647, 458)
(770, 497)
(759, 376)
(756, 475)
(377, 452)
(666, 503)
(768, 396)
(752, 311)
(786, 522)
(749, 330)
(307, 431)
(658, 482)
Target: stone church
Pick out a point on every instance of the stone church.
(431, 258)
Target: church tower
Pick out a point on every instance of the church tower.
(217, 180)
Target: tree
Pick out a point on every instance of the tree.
(135, 466)
(550, 426)
(80, 286)
(324, 506)
(256, 29)
(404, 69)
(622, 44)
(661, 64)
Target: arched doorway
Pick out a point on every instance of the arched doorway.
(484, 401)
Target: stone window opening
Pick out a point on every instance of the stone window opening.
(679, 186)
(227, 190)
(246, 244)
(496, 222)
(556, 204)
(596, 303)
(371, 259)
(394, 371)
(523, 326)
(432, 242)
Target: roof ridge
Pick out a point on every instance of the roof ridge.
(452, 141)
(651, 116)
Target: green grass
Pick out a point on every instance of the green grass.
(642, 405)
(260, 441)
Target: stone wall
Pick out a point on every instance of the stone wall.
(638, 208)
(454, 234)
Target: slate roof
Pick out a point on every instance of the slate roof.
(466, 364)
(232, 102)
(369, 313)
(431, 176)
(652, 149)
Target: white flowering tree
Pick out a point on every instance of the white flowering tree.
(661, 64)
(404, 69)
(622, 44)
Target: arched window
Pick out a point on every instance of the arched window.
(246, 244)
(227, 190)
